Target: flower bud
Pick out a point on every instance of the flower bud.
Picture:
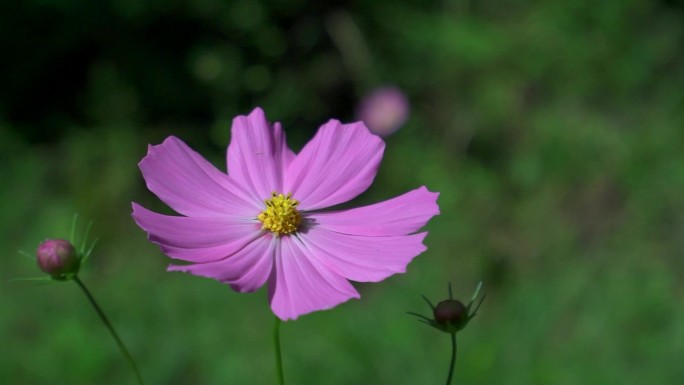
(451, 312)
(451, 315)
(58, 258)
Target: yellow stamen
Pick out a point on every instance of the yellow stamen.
(281, 215)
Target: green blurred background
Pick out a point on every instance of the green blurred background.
(553, 130)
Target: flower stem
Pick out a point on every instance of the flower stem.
(452, 365)
(109, 326)
(278, 354)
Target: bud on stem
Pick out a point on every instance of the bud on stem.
(451, 312)
(58, 258)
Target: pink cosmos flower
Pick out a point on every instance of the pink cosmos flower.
(262, 222)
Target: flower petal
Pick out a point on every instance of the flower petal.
(192, 186)
(301, 284)
(338, 164)
(196, 239)
(363, 259)
(404, 214)
(246, 270)
(258, 154)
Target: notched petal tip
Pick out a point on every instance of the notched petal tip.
(364, 127)
(257, 111)
(361, 129)
(433, 196)
(154, 149)
(357, 125)
(145, 158)
(256, 116)
(138, 210)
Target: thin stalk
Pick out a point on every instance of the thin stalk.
(452, 365)
(109, 326)
(278, 354)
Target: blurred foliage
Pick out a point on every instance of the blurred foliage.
(553, 131)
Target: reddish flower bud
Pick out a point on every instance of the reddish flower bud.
(58, 258)
(451, 315)
(451, 312)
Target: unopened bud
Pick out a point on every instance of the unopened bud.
(58, 258)
(451, 312)
(451, 315)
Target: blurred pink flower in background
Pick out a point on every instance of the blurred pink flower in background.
(262, 223)
(384, 110)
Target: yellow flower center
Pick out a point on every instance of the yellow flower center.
(281, 215)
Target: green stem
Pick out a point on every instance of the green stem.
(109, 326)
(278, 354)
(452, 365)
